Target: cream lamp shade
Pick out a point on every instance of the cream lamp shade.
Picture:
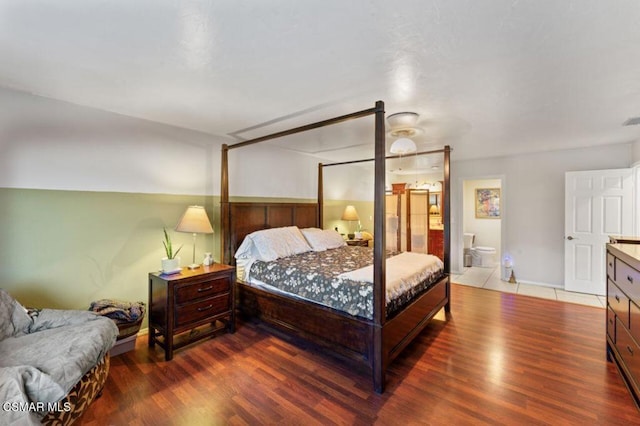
(350, 213)
(195, 221)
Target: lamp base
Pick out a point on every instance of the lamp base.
(193, 266)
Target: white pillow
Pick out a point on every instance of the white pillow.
(321, 240)
(272, 244)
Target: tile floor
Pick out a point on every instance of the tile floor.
(489, 278)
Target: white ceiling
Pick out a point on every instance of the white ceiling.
(488, 77)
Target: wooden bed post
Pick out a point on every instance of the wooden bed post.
(378, 363)
(447, 221)
(320, 197)
(224, 206)
(407, 219)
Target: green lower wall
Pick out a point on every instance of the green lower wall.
(333, 212)
(64, 249)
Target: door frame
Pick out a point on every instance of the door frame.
(457, 222)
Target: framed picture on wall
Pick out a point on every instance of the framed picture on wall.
(487, 203)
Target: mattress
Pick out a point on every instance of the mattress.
(319, 277)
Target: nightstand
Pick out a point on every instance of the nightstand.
(361, 243)
(190, 306)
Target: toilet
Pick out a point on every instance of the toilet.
(468, 240)
(484, 257)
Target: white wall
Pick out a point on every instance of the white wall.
(487, 231)
(264, 171)
(635, 152)
(635, 158)
(49, 144)
(533, 208)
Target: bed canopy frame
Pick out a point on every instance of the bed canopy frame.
(377, 340)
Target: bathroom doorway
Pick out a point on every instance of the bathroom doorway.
(482, 216)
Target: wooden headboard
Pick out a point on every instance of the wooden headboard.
(245, 218)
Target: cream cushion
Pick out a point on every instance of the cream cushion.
(321, 240)
(271, 244)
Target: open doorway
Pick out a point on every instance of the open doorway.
(482, 216)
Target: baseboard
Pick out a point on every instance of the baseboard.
(539, 284)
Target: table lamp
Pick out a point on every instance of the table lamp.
(350, 214)
(195, 221)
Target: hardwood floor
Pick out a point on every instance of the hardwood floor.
(499, 359)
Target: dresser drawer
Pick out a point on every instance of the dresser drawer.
(194, 312)
(634, 321)
(611, 266)
(617, 301)
(628, 279)
(629, 351)
(611, 324)
(202, 289)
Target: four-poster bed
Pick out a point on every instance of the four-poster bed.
(376, 340)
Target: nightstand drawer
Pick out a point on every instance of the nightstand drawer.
(628, 279)
(202, 289)
(194, 312)
(617, 301)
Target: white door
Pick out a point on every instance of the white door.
(597, 204)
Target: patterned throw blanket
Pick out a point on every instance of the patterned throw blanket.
(319, 277)
(118, 310)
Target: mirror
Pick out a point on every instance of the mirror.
(434, 203)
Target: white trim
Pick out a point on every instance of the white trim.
(540, 284)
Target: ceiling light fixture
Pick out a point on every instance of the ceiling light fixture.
(403, 127)
(403, 146)
(403, 120)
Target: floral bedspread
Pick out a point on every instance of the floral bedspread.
(314, 276)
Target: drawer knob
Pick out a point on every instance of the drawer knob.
(630, 350)
(610, 265)
(617, 297)
(630, 279)
(206, 308)
(202, 290)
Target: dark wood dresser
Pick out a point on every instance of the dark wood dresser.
(623, 312)
(189, 306)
